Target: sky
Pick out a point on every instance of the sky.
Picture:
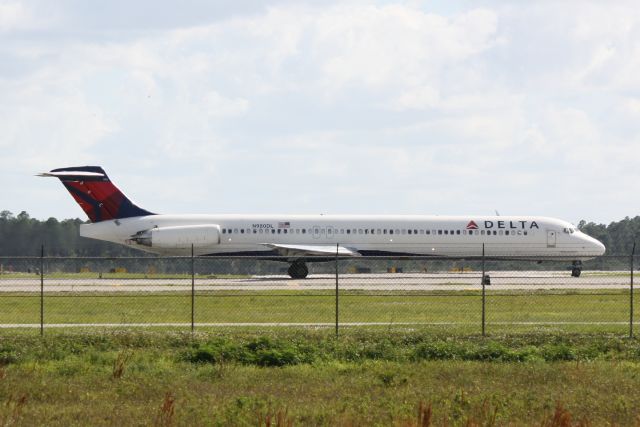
(416, 107)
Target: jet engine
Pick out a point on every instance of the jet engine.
(179, 237)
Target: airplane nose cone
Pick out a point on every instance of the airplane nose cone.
(598, 247)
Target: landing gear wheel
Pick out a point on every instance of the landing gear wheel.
(298, 270)
(576, 269)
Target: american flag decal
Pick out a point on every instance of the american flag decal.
(284, 224)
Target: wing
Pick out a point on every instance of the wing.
(301, 251)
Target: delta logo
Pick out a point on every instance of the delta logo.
(512, 225)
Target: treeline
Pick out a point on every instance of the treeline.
(618, 237)
(21, 235)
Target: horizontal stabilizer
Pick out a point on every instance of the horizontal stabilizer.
(311, 250)
(72, 174)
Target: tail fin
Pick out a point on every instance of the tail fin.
(95, 193)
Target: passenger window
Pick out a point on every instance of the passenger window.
(255, 231)
(235, 230)
(390, 231)
(525, 233)
(457, 231)
(273, 231)
(279, 231)
(500, 232)
(284, 231)
(366, 231)
(384, 231)
(470, 231)
(439, 231)
(348, 231)
(409, 231)
(224, 231)
(428, 231)
(482, 232)
(446, 231)
(242, 231)
(304, 231)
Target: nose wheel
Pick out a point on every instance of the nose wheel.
(298, 270)
(576, 269)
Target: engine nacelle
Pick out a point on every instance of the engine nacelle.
(179, 237)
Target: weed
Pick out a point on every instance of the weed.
(279, 419)
(560, 418)
(424, 415)
(120, 364)
(166, 412)
(13, 410)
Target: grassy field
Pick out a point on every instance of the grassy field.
(308, 377)
(460, 311)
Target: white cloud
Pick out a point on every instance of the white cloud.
(337, 107)
(14, 15)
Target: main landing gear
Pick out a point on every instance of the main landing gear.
(576, 268)
(298, 270)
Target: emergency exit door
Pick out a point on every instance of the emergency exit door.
(551, 239)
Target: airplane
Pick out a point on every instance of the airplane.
(298, 239)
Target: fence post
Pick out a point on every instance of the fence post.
(42, 290)
(633, 252)
(193, 293)
(337, 247)
(483, 294)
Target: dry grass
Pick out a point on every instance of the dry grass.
(13, 410)
(278, 419)
(166, 412)
(120, 364)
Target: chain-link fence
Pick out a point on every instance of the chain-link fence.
(447, 294)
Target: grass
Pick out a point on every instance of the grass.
(307, 377)
(593, 311)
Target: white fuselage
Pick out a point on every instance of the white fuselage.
(502, 236)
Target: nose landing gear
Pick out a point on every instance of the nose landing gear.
(298, 270)
(576, 268)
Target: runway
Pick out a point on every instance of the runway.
(502, 280)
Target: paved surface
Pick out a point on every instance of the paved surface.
(503, 280)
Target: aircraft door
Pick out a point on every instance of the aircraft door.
(316, 232)
(551, 239)
(330, 232)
